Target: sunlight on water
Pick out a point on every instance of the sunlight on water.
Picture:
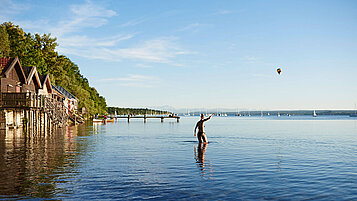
(247, 158)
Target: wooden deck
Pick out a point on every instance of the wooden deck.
(30, 102)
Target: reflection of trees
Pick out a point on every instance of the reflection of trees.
(32, 164)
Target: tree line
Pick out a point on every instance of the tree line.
(40, 51)
(135, 111)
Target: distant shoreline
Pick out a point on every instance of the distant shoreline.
(276, 112)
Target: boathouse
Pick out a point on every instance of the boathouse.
(70, 103)
(26, 98)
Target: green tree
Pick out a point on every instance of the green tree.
(4, 43)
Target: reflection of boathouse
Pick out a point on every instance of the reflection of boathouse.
(28, 99)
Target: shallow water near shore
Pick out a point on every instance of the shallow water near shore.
(248, 158)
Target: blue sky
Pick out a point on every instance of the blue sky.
(205, 54)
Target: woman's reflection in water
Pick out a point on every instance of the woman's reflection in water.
(203, 164)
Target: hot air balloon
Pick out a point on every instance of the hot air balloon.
(278, 70)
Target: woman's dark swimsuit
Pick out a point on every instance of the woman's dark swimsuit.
(201, 137)
(199, 134)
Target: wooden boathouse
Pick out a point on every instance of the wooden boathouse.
(28, 100)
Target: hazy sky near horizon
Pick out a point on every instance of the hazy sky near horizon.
(205, 54)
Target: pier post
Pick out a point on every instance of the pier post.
(178, 120)
(144, 118)
(33, 121)
(40, 122)
(128, 118)
(162, 119)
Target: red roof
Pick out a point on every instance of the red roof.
(5, 63)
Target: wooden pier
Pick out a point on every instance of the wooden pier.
(145, 117)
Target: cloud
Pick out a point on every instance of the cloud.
(257, 61)
(80, 41)
(143, 66)
(135, 80)
(72, 33)
(156, 50)
(83, 16)
(261, 75)
(161, 50)
(9, 8)
(223, 12)
(250, 60)
(39, 25)
(194, 27)
(134, 22)
(87, 15)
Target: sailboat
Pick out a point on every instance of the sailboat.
(238, 113)
(314, 115)
(354, 114)
(188, 113)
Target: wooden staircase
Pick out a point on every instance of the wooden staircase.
(56, 111)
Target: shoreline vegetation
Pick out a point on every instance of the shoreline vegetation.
(136, 111)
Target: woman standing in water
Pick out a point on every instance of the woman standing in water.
(201, 136)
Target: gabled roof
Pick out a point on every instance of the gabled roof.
(46, 79)
(56, 92)
(27, 70)
(8, 63)
(64, 92)
(31, 71)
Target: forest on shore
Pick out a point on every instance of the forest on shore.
(135, 111)
(40, 51)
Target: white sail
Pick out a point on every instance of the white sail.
(314, 115)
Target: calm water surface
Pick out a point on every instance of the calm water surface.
(287, 158)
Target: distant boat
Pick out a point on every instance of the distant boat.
(188, 113)
(238, 114)
(355, 114)
(102, 120)
(314, 115)
(98, 120)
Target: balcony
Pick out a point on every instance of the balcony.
(21, 100)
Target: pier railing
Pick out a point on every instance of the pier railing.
(15, 100)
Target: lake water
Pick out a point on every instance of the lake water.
(248, 158)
